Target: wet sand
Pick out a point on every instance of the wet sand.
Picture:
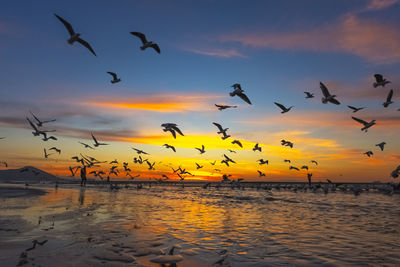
(96, 226)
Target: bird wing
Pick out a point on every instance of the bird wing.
(359, 120)
(112, 74)
(324, 89)
(177, 129)
(390, 95)
(280, 106)
(173, 148)
(156, 47)
(87, 45)
(66, 24)
(378, 78)
(141, 36)
(351, 107)
(32, 125)
(36, 118)
(244, 97)
(49, 121)
(334, 101)
(219, 126)
(94, 138)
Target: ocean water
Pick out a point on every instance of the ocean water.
(237, 227)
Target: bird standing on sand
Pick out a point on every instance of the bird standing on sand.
(75, 37)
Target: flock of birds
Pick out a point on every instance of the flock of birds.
(89, 162)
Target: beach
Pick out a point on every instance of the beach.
(96, 226)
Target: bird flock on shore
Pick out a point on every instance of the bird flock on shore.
(88, 162)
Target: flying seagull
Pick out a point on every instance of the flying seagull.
(222, 131)
(309, 95)
(381, 145)
(171, 147)
(257, 147)
(40, 123)
(293, 168)
(86, 145)
(198, 166)
(355, 109)
(239, 92)
(96, 144)
(237, 142)
(222, 107)
(75, 37)
(45, 153)
(388, 99)
(260, 174)
(146, 44)
(171, 127)
(327, 96)
(380, 81)
(56, 150)
(138, 151)
(313, 161)
(49, 138)
(366, 124)
(369, 153)
(283, 108)
(115, 77)
(287, 160)
(304, 167)
(201, 150)
(262, 161)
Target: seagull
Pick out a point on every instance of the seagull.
(151, 166)
(222, 131)
(262, 161)
(75, 37)
(171, 147)
(237, 142)
(228, 159)
(173, 128)
(56, 150)
(222, 107)
(381, 145)
(327, 96)
(225, 162)
(309, 95)
(369, 153)
(239, 92)
(366, 124)
(284, 109)
(232, 151)
(287, 160)
(40, 123)
(257, 147)
(72, 170)
(198, 166)
(138, 151)
(388, 99)
(86, 145)
(213, 163)
(115, 77)
(293, 168)
(146, 44)
(45, 153)
(78, 160)
(201, 150)
(395, 173)
(355, 109)
(313, 161)
(380, 81)
(304, 167)
(114, 161)
(260, 174)
(48, 138)
(286, 143)
(96, 144)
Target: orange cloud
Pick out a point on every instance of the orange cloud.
(367, 39)
(159, 103)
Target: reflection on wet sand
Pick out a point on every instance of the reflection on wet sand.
(98, 226)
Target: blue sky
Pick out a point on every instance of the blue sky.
(275, 49)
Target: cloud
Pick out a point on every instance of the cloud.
(380, 4)
(370, 40)
(168, 103)
(222, 53)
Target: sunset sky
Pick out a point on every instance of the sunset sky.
(275, 49)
